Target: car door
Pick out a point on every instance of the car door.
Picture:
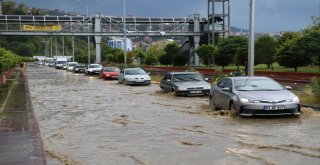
(226, 95)
(217, 92)
(166, 82)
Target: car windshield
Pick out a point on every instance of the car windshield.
(134, 72)
(94, 66)
(111, 69)
(80, 66)
(61, 62)
(187, 77)
(257, 85)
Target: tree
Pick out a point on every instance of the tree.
(227, 50)
(171, 50)
(151, 59)
(207, 52)
(265, 49)
(308, 45)
(290, 55)
(287, 36)
(141, 56)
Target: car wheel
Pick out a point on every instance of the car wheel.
(211, 103)
(233, 108)
(125, 82)
(173, 92)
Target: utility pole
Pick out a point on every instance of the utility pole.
(124, 34)
(251, 40)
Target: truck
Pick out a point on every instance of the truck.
(60, 62)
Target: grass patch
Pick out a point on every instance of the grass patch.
(276, 68)
(1, 115)
(307, 97)
(156, 77)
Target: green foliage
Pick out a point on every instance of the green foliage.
(179, 60)
(151, 59)
(171, 51)
(291, 55)
(228, 48)
(314, 83)
(12, 8)
(8, 60)
(265, 50)
(207, 52)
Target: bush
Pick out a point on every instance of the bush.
(8, 60)
(314, 83)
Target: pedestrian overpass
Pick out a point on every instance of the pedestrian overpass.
(100, 25)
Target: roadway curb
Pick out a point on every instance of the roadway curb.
(37, 149)
(316, 108)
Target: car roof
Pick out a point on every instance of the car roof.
(183, 72)
(131, 68)
(248, 77)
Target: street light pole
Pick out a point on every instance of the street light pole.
(251, 40)
(124, 33)
(88, 38)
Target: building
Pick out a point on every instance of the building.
(119, 43)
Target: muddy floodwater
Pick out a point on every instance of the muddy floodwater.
(88, 121)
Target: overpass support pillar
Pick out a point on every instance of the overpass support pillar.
(97, 30)
(196, 38)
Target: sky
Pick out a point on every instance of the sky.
(270, 15)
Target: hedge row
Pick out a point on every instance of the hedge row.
(8, 60)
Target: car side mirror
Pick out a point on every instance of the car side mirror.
(168, 80)
(206, 79)
(227, 89)
(148, 73)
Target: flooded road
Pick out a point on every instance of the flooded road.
(88, 121)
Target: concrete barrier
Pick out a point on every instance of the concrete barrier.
(6, 75)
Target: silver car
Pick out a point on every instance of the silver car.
(250, 96)
(134, 76)
(185, 83)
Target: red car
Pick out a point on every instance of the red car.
(109, 73)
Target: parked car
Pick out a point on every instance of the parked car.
(132, 76)
(52, 64)
(250, 96)
(70, 65)
(109, 72)
(93, 69)
(64, 66)
(80, 68)
(185, 83)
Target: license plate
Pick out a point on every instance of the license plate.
(274, 107)
(139, 80)
(195, 92)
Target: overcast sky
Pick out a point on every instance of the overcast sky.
(270, 15)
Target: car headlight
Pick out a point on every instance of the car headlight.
(181, 88)
(294, 99)
(245, 100)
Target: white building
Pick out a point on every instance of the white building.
(119, 43)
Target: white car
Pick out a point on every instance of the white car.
(131, 76)
(93, 69)
(70, 66)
